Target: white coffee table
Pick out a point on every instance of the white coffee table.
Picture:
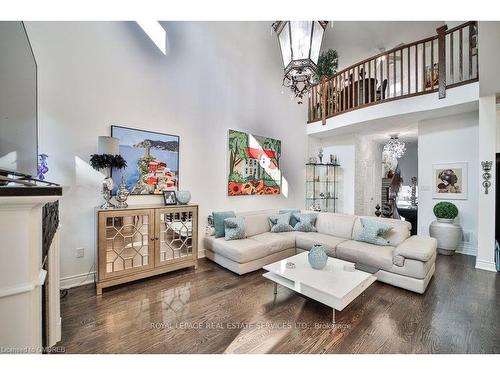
(332, 286)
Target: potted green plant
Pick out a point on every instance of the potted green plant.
(328, 62)
(444, 229)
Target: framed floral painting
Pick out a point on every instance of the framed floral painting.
(253, 164)
(450, 181)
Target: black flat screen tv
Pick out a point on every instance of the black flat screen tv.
(18, 101)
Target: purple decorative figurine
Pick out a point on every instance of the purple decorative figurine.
(42, 166)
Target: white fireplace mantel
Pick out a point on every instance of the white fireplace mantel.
(21, 274)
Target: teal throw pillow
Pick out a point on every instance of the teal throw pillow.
(219, 218)
(293, 220)
(281, 223)
(305, 222)
(234, 228)
(373, 232)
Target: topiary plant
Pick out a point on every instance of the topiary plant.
(328, 63)
(445, 210)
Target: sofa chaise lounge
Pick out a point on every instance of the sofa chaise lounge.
(407, 262)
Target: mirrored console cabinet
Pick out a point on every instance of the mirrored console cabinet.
(139, 242)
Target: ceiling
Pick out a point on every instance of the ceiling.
(358, 40)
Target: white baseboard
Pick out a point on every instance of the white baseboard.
(467, 249)
(485, 265)
(77, 280)
(84, 279)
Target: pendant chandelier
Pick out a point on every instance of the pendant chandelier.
(300, 43)
(394, 147)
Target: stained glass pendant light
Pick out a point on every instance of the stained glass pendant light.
(300, 43)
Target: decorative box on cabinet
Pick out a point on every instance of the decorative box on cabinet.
(139, 242)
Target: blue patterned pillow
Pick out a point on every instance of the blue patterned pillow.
(234, 228)
(373, 232)
(305, 222)
(218, 218)
(293, 220)
(281, 223)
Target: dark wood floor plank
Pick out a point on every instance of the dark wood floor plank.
(212, 310)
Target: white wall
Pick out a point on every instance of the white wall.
(368, 175)
(344, 148)
(217, 76)
(442, 140)
(408, 163)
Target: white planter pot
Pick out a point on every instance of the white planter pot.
(447, 234)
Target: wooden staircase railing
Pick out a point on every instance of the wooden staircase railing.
(434, 64)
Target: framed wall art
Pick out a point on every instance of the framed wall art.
(152, 160)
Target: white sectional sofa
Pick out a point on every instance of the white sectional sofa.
(407, 262)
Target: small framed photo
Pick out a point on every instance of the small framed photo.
(450, 181)
(169, 197)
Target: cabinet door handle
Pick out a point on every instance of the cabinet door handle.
(157, 238)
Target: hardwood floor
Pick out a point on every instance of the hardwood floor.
(211, 310)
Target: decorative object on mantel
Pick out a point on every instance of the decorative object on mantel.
(377, 210)
(313, 160)
(317, 257)
(446, 232)
(183, 197)
(290, 265)
(122, 194)
(42, 167)
(107, 157)
(153, 160)
(486, 175)
(450, 181)
(300, 43)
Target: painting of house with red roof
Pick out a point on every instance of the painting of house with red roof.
(254, 164)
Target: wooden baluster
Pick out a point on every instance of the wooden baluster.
(452, 56)
(442, 60)
(460, 56)
(382, 94)
(394, 73)
(364, 83)
(351, 89)
(348, 88)
(409, 70)
(432, 64)
(375, 78)
(324, 92)
(369, 82)
(388, 80)
(416, 68)
(470, 50)
(358, 84)
(423, 69)
(401, 72)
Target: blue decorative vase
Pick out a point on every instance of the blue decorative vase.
(183, 197)
(317, 257)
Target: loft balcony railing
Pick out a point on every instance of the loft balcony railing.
(434, 64)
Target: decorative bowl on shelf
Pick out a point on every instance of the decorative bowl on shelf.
(183, 197)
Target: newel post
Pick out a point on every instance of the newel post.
(324, 92)
(442, 60)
